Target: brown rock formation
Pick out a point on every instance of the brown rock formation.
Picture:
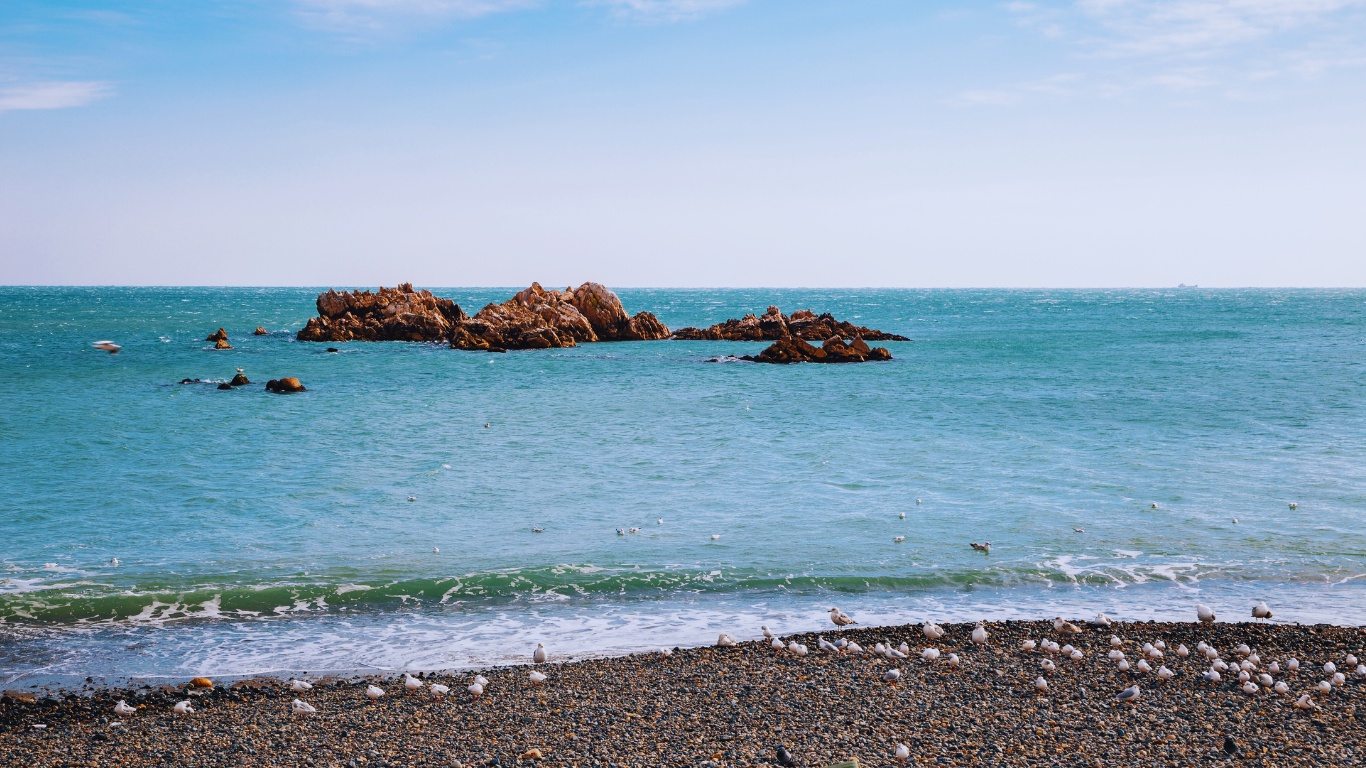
(774, 325)
(391, 314)
(539, 319)
(222, 344)
(239, 380)
(260, 331)
(288, 384)
(218, 335)
(791, 349)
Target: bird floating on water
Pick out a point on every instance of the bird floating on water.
(621, 531)
(715, 536)
(436, 550)
(983, 547)
(183, 708)
(114, 562)
(633, 530)
(538, 530)
(1235, 521)
(373, 692)
(898, 539)
(300, 707)
(1130, 694)
(917, 501)
(1204, 613)
(901, 515)
(299, 686)
(660, 521)
(123, 710)
(1294, 505)
(840, 618)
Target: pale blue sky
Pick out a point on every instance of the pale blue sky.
(683, 142)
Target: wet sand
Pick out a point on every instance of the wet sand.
(727, 707)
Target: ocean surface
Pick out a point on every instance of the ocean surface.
(260, 533)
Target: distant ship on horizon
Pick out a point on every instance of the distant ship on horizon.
(1183, 285)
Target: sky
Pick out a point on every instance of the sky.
(664, 143)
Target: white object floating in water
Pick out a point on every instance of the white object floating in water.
(412, 498)
(123, 710)
(901, 515)
(373, 692)
(715, 537)
(660, 521)
(1294, 505)
(302, 708)
(183, 708)
(898, 539)
(436, 550)
(107, 346)
(114, 562)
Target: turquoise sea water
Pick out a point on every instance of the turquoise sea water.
(258, 532)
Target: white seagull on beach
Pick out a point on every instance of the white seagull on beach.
(979, 634)
(768, 633)
(1065, 627)
(302, 708)
(826, 645)
(902, 753)
(1048, 665)
(1211, 675)
(439, 690)
(538, 655)
(932, 631)
(1261, 611)
(476, 690)
(1165, 674)
(123, 710)
(930, 654)
(411, 683)
(1028, 645)
(891, 675)
(1130, 694)
(1281, 687)
(724, 640)
(480, 679)
(1293, 665)
(299, 686)
(840, 618)
(776, 644)
(1204, 613)
(1040, 684)
(373, 692)
(1101, 620)
(536, 677)
(183, 708)
(953, 660)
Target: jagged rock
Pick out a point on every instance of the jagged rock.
(773, 325)
(218, 335)
(222, 344)
(539, 319)
(260, 331)
(239, 380)
(391, 314)
(792, 349)
(288, 384)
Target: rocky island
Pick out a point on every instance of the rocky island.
(792, 349)
(774, 325)
(532, 319)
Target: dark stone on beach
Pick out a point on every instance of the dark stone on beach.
(285, 385)
(225, 386)
(791, 349)
(391, 314)
(535, 318)
(218, 335)
(260, 331)
(774, 325)
(239, 380)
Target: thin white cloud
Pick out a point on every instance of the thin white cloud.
(348, 15)
(1200, 27)
(665, 10)
(52, 95)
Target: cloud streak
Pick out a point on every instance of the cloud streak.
(665, 10)
(350, 15)
(52, 95)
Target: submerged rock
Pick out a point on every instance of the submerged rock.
(391, 314)
(834, 350)
(539, 319)
(225, 386)
(260, 331)
(285, 385)
(218, 335)
(773, 325)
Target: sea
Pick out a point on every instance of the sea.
(1131, 452)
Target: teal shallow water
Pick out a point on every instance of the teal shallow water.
(1014, 416)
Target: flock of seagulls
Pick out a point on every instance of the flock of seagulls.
(1245, 665)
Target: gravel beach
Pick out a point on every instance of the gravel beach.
(734, 706)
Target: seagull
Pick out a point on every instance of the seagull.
(1115, 642)
(123, 710)
(1182, 651)
(840, 643)
(854, 647)
(1361, 671)
(1243, 650)
(1078, 530)
(1219, 665)
(1265, 680)
(953, 660)
(114, 562)
(621, 531)
(1160, 645)
(904, 648)
(1325, 687)
(1244, 676)
(1350, 659)
(1330, 667)
(1040, 684)
(932, 631)
(1304, 702)
(1293, 665)
(1339, 679)
(411, 683)
(1204, 613)
(983, 547)
(538, 530)
(1123, 665)
(1130, 694)
(302, 708)
(1143, 666)
(476, 690)
(917, 501)
(1048, 665)
(1154, 505)
(1101, 620)
(299, 686)
(893, 653)
(373, 692)
(1250, 688)
(891, 675)
(439, 690)
(1115, 654)
(1165, 674)
(1028, 645)
(480, 679)
(785, 758)
(979, 634)
(840, 618)
(633, 530)
(1211, 675)
(666, 652)
(768, 633)
(1273, 668)
(777, 644)
(1065, 627)
(724, 640)
(898, 539)
(902, 515)
(1235, 521)
(183, 708)
(1076, 654)
(826, 645)
(902, 753)
(793, 648)
(1294, 505)
(715, 537)
(436, 550)
(930, 654)
(412, 498)
(801, 649)
(1281, 687)
(538, 655)
(537, 677)
(107, 346)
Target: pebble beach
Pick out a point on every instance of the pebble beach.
(734, 706)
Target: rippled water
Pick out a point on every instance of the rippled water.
(257, 532)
